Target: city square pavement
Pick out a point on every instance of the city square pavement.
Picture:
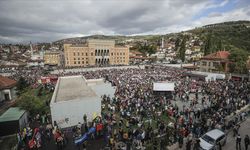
(186, 104)
(92, 144)
(244, 130)
(99, 143)
(96, 144)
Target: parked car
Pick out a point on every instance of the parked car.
(211, 139)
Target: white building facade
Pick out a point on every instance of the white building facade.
(74, 97)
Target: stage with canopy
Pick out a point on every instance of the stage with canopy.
(164, 88)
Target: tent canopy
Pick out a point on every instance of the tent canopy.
(163, 86)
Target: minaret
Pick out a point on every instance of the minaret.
(42, 52)
(31, 48)
(162, 43)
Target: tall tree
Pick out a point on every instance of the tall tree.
(151, 49)
(238, 60)
(21, 85)
(31, 104)
(219, 45)
(208, 45)
(147, 49)
(182, 49)
(177, 44)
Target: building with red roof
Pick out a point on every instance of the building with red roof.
(215, 62)
(7, 89)
(136, 57)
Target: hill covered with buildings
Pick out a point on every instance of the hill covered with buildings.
(226, 35)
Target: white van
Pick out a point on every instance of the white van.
(211, 139)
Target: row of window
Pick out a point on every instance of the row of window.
(117, 54)
(119, 61)
(215, 64)
(79, 62)
(82, 54)
(79, 58)
(83, 62)
(101, 53)
(104, 50)
(86, 54)
(119, 57)
(82, 58)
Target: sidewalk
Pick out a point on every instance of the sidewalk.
(244, 109)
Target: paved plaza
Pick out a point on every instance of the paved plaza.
(244, 130)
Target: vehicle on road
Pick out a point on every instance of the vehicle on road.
(212, 139)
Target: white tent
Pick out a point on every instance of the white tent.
(163, 86)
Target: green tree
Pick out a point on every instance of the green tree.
(208, 45)
(238, 60)
(151, 49)
(182, 49)
(32, 104)
(219, 45)
(21, 85)
(177, 44)
(144, 48)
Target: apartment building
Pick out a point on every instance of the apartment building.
(95, 53)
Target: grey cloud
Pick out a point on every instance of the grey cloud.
(215, 14)
(49, 20)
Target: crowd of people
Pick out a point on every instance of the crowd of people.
(31, 76)
(137, 117)
(136, 107)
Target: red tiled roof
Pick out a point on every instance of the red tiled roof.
(6, 82)
(136, 52)
(190, 67)
(217, 55)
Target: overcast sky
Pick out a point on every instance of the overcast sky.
(50, 20)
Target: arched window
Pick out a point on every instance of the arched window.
(104, 52)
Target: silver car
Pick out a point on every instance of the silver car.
(211, 139)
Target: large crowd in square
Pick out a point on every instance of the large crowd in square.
(136, 117)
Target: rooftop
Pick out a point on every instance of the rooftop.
(136, 52)
(216, 133)
(73, 88)
(13, 113)
(217, 55)
(52, 52)
(78, 45)
(6, 82)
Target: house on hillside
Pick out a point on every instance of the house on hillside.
(7, 89)
(215, 62)
(136, 57)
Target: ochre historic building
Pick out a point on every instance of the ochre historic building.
(52, 58)
(95, 53)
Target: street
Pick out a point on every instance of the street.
(244, 130)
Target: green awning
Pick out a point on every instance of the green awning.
(12, 114)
